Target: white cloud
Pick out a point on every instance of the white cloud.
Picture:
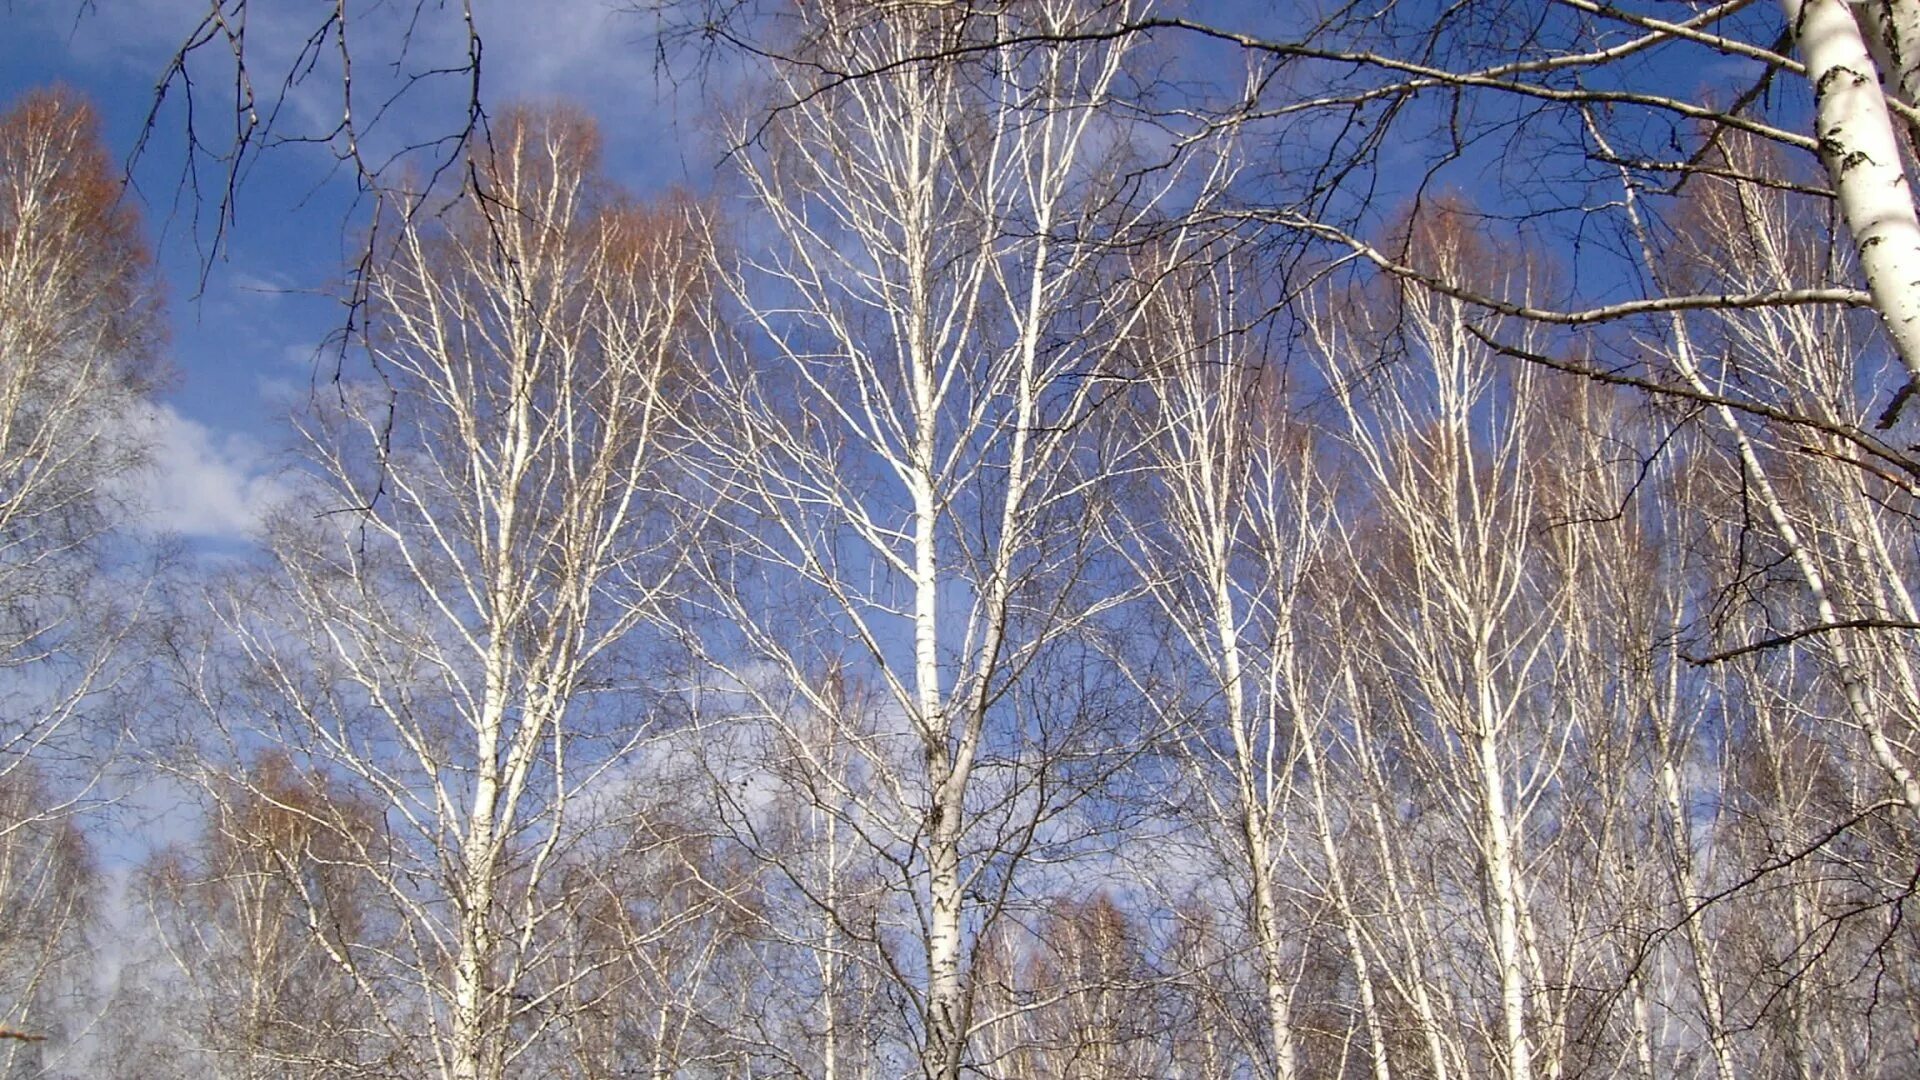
(202, 483)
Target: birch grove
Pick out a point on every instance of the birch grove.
(1101, 539)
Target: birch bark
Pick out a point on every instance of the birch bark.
(1863, 160)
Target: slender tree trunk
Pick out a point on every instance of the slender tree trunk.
(662, 1061)
(1269, 933)
(946, 1035)
(475, 946)
(1503, 883)
(1642, 1028)
(1414, 935)
(1349, 918)
(1853, 686)
(829, 957)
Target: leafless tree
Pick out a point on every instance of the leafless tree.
(252, 918)
(445, 639)
(902, 438)
(1462, 635)
(79, 334)
(79, 328)
(1229, 526)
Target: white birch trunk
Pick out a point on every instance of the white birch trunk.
(1864, 162)
(1350, 923)
(1270, 935)
(1891, 29)
(475, 902)
(1252, 779)
(1503, 883)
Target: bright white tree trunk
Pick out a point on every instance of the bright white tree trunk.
(1351, 924)
(1497, 846)
(1863, 160)
(1892, 32)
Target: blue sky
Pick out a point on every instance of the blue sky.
(246, 348)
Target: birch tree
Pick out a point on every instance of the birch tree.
(79, 329)
(1834, 521)
(251, 918)
(1233, 521)
(1463, 622)
(79, 336)
(445, 639)
(903, 431)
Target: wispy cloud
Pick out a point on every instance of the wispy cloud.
(201, 484)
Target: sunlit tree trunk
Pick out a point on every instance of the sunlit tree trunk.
(1864, 161)
(1223, 545)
